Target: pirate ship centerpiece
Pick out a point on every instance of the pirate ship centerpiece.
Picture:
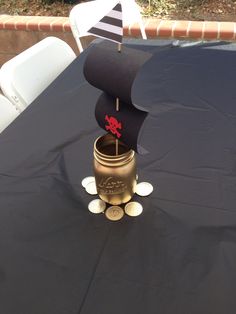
(113, 71)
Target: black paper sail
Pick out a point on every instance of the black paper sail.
(115, 72)
(124, 124)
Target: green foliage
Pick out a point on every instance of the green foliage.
(191, 3)
(48, 1)
(62, 1)
(157, 7)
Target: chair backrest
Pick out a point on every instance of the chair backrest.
(8, 112)
(131, 14)
(25, 76)
(84, 15)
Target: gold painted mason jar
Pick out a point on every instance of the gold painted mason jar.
(115, 175)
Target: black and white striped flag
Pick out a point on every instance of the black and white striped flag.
(110, 26)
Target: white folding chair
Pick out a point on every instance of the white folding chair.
(25, 76)
(131, 15)
(8, 112)
(84, 15)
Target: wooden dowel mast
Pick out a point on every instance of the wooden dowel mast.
(118, 106)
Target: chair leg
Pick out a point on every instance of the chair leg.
(79, 44)
(142, 30)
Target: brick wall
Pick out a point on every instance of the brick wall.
(20, 32)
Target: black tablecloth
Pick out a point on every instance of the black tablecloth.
(179, 255)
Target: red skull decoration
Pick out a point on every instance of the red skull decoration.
(113, 125)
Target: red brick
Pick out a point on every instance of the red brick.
(135, 30)
(10, 24)
(211, 30)
(66, 27)
(180, 29)
(227, 30)
(20, 22)
(195, 30)
(3, 19)
(21, 26)
(151, 27)
(44, 25)
(33, 23)
(57, 25)
(126, 31)
(165, 29)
